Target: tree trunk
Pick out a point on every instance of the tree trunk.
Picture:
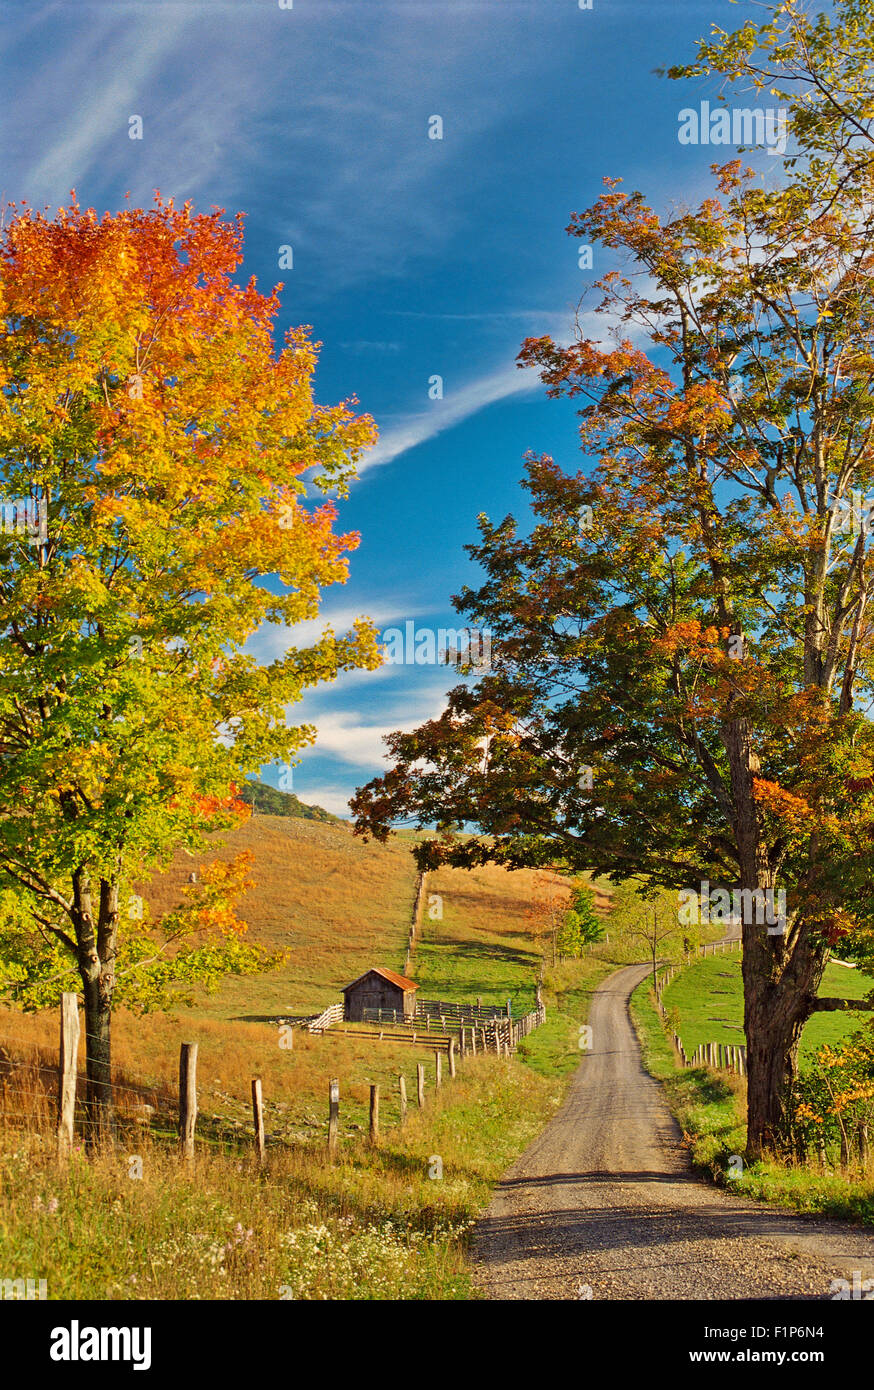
(777, 996)
(98, 1060)
(781, 970)
(772, 1036)
(97, 943)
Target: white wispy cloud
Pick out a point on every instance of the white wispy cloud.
(442, 415)
(331, 796)
(345, 736)
(95, 129)
(458, 404)
(272, 641)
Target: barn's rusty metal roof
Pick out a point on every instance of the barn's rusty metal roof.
(400, 980)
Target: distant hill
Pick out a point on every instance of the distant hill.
(271, 802)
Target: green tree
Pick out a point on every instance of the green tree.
(581, 926)
(682, 652)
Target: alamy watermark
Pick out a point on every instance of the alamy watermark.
(427, 646)
(734, 125)
(853, 515)
(762, 906)
(26, 1289)
(25, 517)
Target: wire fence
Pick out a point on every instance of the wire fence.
(43, 1089)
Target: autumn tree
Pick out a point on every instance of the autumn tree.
(682, 641)
(546, 913)
(157, 453)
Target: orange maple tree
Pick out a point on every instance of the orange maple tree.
(161, 451)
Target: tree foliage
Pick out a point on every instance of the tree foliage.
(681, 640)
(581, 926)
(161, 451)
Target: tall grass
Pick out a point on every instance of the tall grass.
(378, 1224)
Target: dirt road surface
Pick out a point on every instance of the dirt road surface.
(604, 1205)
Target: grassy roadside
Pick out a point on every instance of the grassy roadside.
(708, 996)
(378, 1224)
(709, 1108)
(387, 1223)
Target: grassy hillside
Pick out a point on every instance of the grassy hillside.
(375, 1225)
(709, 1000)
(337, 905)
(484, 944)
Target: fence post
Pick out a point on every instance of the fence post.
(187, 1098)
(67, 1063)
(374, 1114)
(438, 1070)
(402, 1087)
(333, 1116)
(420, 1084)
(258, 1117)
(473, 1042)
(452, 1058)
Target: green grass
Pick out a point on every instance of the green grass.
(710, 1109)
(708, 996)
(375, 1225)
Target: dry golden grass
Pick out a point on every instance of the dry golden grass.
(381, 1223)
(338, 906)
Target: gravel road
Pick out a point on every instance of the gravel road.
(604, 1204)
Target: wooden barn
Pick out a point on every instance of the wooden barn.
(379, 989)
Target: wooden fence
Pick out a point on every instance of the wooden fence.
(475, 1027)
(328, 1018)
(416, 918)
(444, 1049)
(466, 1013)
(717, 948)
(495, 1033)
(315, 1023)
(722, 1056)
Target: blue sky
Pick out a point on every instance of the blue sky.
(413, 257)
